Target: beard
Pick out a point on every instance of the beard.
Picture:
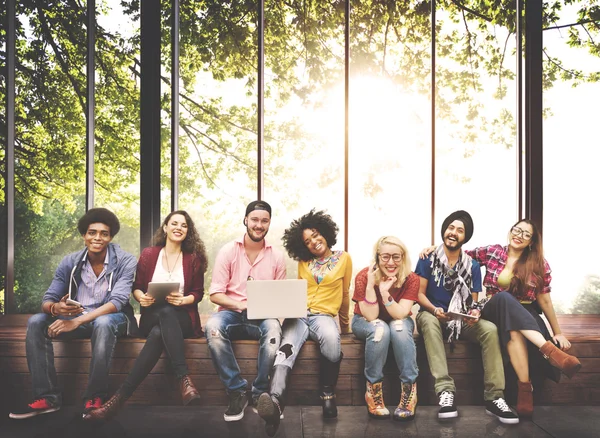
(253, 237)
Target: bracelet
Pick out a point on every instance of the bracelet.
(435, 310)
(369, 302)
(389, 303)
(478, 305)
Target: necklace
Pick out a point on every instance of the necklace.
(169, 270)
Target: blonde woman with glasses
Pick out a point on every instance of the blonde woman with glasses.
(384, 294)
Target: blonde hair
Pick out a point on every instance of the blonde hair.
(405, 265)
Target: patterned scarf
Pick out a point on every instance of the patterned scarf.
(457, 281)
(321, 267)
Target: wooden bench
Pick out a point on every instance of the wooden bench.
(72, 362)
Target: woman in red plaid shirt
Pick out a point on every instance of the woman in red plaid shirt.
(517, 283)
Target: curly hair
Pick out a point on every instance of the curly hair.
(192, 244)
(99, 215)
(293, 239)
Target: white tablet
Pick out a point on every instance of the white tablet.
(160, 290)
(456, 315)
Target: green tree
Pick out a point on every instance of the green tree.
(304, 45)
(588, 299)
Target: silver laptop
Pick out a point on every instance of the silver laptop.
(276, 299)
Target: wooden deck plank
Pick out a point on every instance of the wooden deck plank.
(159, 388)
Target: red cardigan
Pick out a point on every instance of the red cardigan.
(193, 278)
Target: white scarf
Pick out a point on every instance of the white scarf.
(457, 281)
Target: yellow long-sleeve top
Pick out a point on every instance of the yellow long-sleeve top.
(331, 295)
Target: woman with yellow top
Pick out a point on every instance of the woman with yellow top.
(328, 274)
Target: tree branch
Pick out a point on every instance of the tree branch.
(562, 26)
(57, 52)
(471, 11)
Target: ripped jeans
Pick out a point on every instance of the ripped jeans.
(379, 336)
(225, 326)
(320, 328)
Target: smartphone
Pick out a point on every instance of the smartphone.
(73, 302)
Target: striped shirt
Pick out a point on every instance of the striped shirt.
(93, 290)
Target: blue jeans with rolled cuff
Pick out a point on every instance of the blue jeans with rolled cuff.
(103, 332)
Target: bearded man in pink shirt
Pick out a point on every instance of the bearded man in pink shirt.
(248, 258)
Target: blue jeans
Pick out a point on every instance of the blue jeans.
(320, 328)
(225, 326)
(103, 332)
(379, 336)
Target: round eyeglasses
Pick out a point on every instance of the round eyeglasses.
(516, 231)
(397, 258)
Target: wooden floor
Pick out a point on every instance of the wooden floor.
(305, 422)
(72, 361)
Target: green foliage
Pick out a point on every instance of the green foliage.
(304, 57)
(588, 299)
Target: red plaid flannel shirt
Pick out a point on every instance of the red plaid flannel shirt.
(494, 257)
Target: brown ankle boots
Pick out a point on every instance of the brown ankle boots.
(525, 399)
(189, 393)
(107, 410)
(568, 364)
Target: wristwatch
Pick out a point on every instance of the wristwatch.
(390, 301)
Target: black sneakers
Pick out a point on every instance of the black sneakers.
(237, 403)
(500, 409)
(254, 405)
(448, 407)
(37, 407)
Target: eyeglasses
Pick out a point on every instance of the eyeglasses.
(397, 258)
(516, 231)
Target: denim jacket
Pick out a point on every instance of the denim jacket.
(120, 273)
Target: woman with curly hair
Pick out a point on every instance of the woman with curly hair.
(384, 294)
(328, 274)
(177, 255)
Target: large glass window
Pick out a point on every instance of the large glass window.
(389, 127)
(304, 113)
(571, 157)
(117, 145)
(475, 155)
(50, 143)
(218, 158)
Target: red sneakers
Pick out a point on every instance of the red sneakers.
(37, 407)
(91, 404)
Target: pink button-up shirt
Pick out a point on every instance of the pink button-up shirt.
(232, 269)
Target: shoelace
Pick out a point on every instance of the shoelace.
(405, 396)
(186, 382)
(378, 399)
(501, 404)
(446, 399)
